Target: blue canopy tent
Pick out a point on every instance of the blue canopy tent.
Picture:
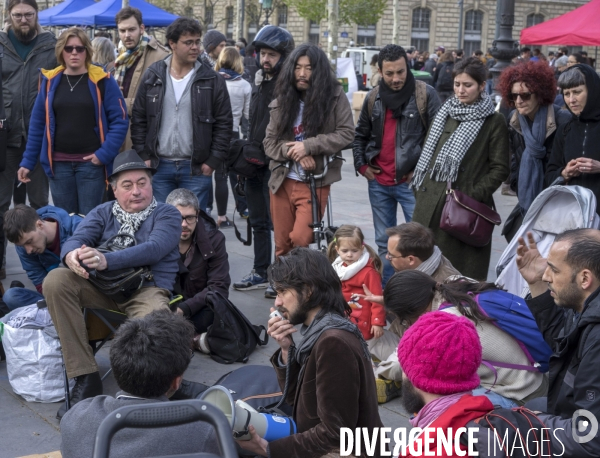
(66, 7)
(102, 14)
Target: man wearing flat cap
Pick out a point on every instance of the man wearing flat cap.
(156, 228)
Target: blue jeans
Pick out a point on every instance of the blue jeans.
(495, 398)
(77, 187)
(171, 175)
(259, 213)
(384, 205)
(20, 297)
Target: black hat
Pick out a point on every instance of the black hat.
(129, 160)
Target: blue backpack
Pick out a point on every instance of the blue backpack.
(511, 314)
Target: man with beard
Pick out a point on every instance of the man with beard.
(137, 52)
(273, 45)
(329, 372)
(390, 133)
(439, 355)
(203, 264)
(311, 123)
(565, 303)
(27, 48)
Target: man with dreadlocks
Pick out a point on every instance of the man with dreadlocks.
(329, 374)
(311, 122)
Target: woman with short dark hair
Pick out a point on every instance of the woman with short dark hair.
(576, 149)
(466, 146)
(529, 88)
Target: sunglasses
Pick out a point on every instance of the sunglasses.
(78, 49)
(525, 96)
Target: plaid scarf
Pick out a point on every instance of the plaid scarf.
(471, 118)
(130, 222)
(128, 57)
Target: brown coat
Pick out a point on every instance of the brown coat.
(337, 390)
(153, 53)
(338, 134)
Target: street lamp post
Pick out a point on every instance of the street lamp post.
(267, 5)
(504, 48)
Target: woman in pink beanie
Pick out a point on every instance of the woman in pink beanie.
(440, 355)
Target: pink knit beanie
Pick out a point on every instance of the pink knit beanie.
(440, 353)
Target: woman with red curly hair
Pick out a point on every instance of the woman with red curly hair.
(529, 88)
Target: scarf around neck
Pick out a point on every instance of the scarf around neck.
(128, 57)
(323, 322)
(346, 272)
(434, 409)
(432, 263)
(447, 163)
(130, 222)
(531, 170)
(397, 100)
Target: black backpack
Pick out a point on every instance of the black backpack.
(514, 432)
(231, 338)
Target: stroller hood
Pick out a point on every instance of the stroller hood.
(555, 210)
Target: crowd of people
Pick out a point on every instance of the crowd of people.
(127, 141)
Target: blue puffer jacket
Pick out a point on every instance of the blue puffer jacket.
(37, 266)
(111, 119)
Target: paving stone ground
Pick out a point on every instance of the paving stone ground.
(28, 428)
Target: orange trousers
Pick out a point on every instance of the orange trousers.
(291, 213)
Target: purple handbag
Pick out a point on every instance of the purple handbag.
(468, 220)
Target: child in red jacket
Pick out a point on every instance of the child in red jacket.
(358, 265)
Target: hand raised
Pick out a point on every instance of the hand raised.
(530, 262)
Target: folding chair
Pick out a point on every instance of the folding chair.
(163, 414)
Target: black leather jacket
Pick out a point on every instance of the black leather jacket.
(410, 133)
(211, 111)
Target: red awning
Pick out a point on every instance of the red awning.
(580, 27)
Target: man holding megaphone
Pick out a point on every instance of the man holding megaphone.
(329, 373)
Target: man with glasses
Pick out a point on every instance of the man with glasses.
(203, 263)
(27, 48)
(182, 121)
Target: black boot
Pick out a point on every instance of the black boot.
(86, 386)
(188, 390)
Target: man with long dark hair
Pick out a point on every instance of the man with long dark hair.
(272, 44)
(390, 133)
(311, 122)
(330, 379)
(27, 48)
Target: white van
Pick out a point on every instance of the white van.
(361, 58)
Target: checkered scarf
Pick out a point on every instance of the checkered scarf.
(128, 57)
(471, 118)
(130, 222)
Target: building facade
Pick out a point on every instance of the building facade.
(424, 24)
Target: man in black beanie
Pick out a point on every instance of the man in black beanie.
(213, 43)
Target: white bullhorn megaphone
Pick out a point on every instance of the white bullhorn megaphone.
(240, 415)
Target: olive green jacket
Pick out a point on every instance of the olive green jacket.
(483, 169)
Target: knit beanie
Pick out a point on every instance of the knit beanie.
(211, 40)
(440, 353)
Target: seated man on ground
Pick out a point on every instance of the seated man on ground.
(38, 237)
(565, 303)
(148, 357)
(440, 355)
(411, 246)
(203, 263)
(156, 228)
(330, 376)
